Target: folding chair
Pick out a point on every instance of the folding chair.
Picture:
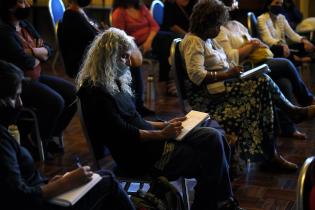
(129, 182)
(252, 25)
(56, 10)
(305, 184)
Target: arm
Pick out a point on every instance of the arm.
(292, 35)
(175, 28)
(13, 52)
(264, 22)
(136, 58)
(154, 28)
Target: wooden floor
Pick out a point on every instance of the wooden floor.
(256, 190)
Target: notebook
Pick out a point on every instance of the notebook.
(194, 119)
(71, 197)
(264, 68)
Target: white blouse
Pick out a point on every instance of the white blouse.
(202, 56)
(232, 36)
(273, 33)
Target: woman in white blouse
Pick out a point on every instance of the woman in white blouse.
(274, 29)
(239, 45)
(244, 108)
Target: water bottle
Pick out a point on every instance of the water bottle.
(14, 131)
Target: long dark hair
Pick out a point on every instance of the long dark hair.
(266, 6)
(5, 6)
(126, 3)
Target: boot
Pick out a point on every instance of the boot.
(276, 161)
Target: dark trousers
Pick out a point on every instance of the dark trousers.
(203, 154)
(106, 195)
(54, 100)
(287, 77)
(161, 47)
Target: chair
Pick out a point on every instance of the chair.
(305, 184)
(157, 11)
(252, 25)
(56, 10)
(28, 116)
(128, 182)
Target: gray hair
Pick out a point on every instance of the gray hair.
(103, 59)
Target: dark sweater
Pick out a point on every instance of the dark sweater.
(11, 49)
(19, 180)
(75, 34)
(115, 123)
(173, 15)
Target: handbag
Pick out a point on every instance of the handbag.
(260, 55)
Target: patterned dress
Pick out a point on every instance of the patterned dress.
(245, 109)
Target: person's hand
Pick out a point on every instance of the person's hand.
(172, 130)
(255, 43)
(259, 43)
(55, 178)
(78, 176)
(286, 50)
(41, 53)
(234, 72)
(146, 47)
(308, 46)
(178, 119)
(39, 42)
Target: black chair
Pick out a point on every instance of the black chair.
(129, 182)
(29, 129)
(252, 25)
(305, 184)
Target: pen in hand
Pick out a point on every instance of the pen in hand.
(78, 161)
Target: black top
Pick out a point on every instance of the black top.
(113, 121)
(175, 15)
(11, 49)
(19, 180)
(75, 33)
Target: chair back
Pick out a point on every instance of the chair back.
(180, 73)
(305, 184)
(56, 10)
(157, 11)
(252, 25)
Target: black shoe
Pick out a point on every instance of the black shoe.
(143, 111)
(231, 204)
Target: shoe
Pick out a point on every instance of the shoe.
(231, 204)
(143, 111)
(295, 135)
(278, 162)
(300, 114)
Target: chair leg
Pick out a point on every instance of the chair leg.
(185, 193)
(55, 62)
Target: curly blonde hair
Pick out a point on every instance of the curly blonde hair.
(101, 63)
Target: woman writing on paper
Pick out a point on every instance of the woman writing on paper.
(21, 185)
(243, 107)
(239, 47)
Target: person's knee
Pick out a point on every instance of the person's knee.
(212, 138)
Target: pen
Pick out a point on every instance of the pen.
(77, 161)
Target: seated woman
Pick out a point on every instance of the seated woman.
(143, 146)
(77, 32)
(176, 16)
(244, 108)
(22, 186)
(239, 45)
(274, 29)
(134, 18)
(52, 98)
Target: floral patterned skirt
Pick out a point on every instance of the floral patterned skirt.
(244, 110)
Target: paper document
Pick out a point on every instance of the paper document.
(264, 68)
(194, 119)
(71, 197)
